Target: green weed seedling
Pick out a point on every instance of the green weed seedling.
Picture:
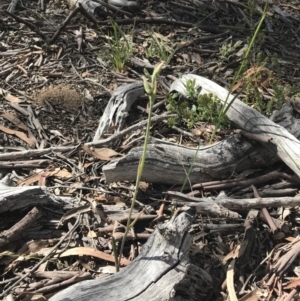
(159, 49)
(227, 49)
(120, 47)
(226, 105)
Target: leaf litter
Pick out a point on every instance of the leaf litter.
(44, 109)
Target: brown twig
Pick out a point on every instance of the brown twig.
(265, 212)
(65, 23)
(255, 181)
(19, 228)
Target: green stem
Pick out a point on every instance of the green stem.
(225, 107)
(138, 176)
(114, 246)
(151, 90)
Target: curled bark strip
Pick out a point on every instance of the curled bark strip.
(118, 106)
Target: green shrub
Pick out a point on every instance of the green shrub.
(195, 107)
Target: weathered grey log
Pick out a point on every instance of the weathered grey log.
(163, 263)
(168, 163)
(283, 143)
(16, 198)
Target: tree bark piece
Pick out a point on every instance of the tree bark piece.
(163, 263)
(118, 107)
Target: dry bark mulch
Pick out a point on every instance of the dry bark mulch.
(54, 89)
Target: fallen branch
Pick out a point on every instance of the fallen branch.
(163, 262)
(235, 204)
(16, 231)
(218, 161)
(282, 143)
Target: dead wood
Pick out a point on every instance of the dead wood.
(279, 224)
(168, 163)
(36, 152)
(36, 266)
(218, 161)
(226, 184)
(27, 65)
(17, 231)
(266, 213)
(56, 281)
(235, 204)
(65, 23)
(118, 107)
(281, 142)
(163, 262)
(24, 164)
(16, 198)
